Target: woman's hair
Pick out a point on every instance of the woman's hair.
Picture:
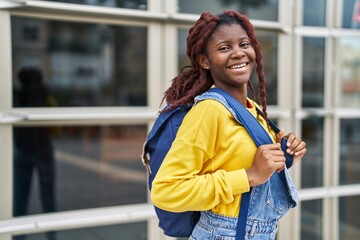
(196, 80)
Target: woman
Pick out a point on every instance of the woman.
(213, 159)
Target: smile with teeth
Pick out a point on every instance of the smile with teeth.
(238, 66)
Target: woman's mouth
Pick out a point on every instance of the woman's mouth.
(238, 66)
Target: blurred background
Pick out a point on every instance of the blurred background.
(81, 82)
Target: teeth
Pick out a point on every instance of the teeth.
(238, 66)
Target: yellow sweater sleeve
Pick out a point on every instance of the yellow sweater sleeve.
(205, 167)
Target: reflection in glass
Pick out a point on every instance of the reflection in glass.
(132, 4)
(259, 9)
(349, 221)
(351, 14)
(311, 220)
(81, 64)
(313, 72)
(33, 92)
(60, 168)
(34, 151)
(349, 151)
(314, 13)
(350, 71)
(312, 163)
(269, 45)
(135, 231)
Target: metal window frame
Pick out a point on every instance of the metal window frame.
(332, 114)
(162, 20)
(77, 219)
(89, 115)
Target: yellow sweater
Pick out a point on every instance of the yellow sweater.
(205, 167)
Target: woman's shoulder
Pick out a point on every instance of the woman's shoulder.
(211, 108)
(206, 118)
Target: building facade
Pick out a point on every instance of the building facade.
(81, 82)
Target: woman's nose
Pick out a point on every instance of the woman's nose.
(238, 53)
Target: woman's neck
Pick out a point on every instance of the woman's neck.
(240, 94)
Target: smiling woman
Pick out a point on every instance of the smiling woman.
(212, 152)
(106, 64)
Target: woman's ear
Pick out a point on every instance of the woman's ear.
(203, 61)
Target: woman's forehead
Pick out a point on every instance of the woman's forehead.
(228, 31)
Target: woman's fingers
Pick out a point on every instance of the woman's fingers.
(294, 145)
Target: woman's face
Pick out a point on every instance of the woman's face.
(230, 57)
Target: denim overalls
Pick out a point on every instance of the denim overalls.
(268, 203)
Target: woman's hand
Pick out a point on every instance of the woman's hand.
(294, 145)
(268, 159)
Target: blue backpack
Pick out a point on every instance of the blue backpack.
(158, 143)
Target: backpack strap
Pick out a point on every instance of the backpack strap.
(163, 117)
(289, 159)
(260, 137)
(244, 117)
(158, 126)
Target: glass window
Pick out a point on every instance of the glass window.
(311, 220)
(314, 13)
(269, 45)
(350, 71)
(269, 49)
(132, 4)
(127, 231)
(351, 14)
(312, 163)
(313, 72)
(60, 168)
(349, 221)
(349, 151)
(260, 9)
(183, 59)
(69, 64)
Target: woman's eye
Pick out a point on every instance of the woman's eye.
(224, 48)
(245, 44)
